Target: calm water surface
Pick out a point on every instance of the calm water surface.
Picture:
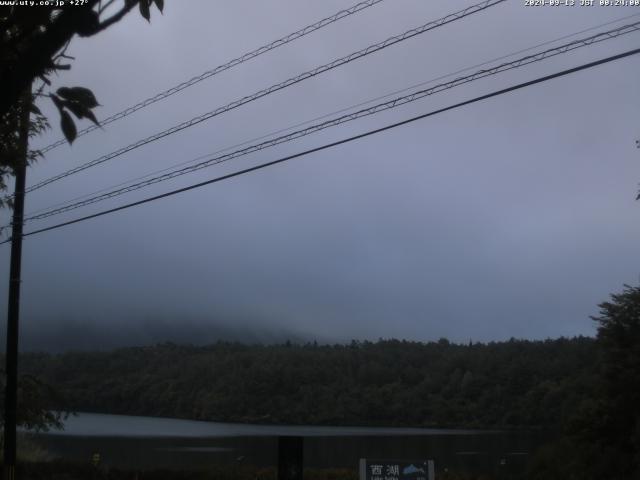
(102, 425)
(148, 442)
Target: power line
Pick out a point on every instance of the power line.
(527, 60)
(340, 142)
(327, 115)
(221, 68)
(276, 87)
(345, 118)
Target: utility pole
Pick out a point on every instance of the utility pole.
(13, 313)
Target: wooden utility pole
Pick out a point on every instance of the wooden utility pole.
(13, 313)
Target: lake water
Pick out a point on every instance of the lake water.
(148, 442)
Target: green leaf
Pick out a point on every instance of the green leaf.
(88, 23)
(75, 108)
(68, 127)
(82, 95)
(144, 10)
(57, 102)
(159, 4)
(35, 110)
(80, 111)
(91, 116)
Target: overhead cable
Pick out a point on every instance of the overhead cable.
(221, 68)
(339, 142)
(327, 115)
(276, 87)
(396, 102)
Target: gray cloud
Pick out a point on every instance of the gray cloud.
(513, 217)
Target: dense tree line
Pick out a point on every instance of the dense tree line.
(389, 382)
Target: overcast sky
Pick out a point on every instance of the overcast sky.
(513, 217)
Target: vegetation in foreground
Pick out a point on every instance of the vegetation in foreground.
(57, 470)
(72, 471)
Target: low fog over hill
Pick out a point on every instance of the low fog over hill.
(84, 334)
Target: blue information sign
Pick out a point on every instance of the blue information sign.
(375, 469)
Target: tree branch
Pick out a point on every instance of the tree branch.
(117, 16)
(105, 6)
(35, 59)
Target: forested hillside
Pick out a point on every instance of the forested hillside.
(390, 382)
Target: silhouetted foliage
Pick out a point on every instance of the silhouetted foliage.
(33, 42)
(39, 404)
(602, 438)
(10, 151)
(617, 431)
(514, 383)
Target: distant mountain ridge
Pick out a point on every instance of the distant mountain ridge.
(59, 336)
